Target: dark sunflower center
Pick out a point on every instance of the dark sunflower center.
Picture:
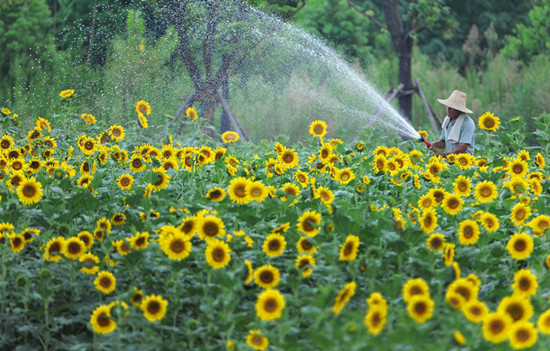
(522, 335)
(29, 190)
(105, 282)
(55, 247)
(177, 246)
(520, 245)
(153, 307)
(524, 284)
(136, 163)
(288, 158)
(274, 245)
(468, 232)
(210, 229)
(160, 180)
(348, 249)
(515, 311)
(74, 248)
(125, 181)
(218, 254)
(240, 190)
(257, 340)
(255, 192)
(89, 145)
(306, 245)
(103, 320)
(489, 123)
(266, 277)
(308, 227)
(420, 308)
(140, 241)
(270, 305)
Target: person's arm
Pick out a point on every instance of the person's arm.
(440, 144)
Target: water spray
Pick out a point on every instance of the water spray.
(428, 144)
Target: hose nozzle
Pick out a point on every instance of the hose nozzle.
(428, 144)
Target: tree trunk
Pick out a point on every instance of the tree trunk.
(405, 78)
(402, 44)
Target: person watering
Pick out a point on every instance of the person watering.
(457, 134)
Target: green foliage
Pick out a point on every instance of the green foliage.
(530, 40)
(26, 44)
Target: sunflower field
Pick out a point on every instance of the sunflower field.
(112, 240)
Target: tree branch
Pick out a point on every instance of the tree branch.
(364, 13)
(297, 10)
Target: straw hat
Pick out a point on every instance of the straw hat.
(457, 100)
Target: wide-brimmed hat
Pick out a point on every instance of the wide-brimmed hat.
(457, 100)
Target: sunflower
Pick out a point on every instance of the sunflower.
(239, 190)
(525, 282)
(348, 250)
(230, 137)
(464, 288)
(309, 223)
(522, 335)
(468, 232)
(288, 158)
(250, 270)
(517, 185)
(29, 191)
(274, 245)
(29, 234)
(420, 308)
(540, 161)
(449, 253)
(88, 146)
(290, 189)
(270, 304)
(462, 186)
(137, 297)
(125, 181)
(496, 326)
(343, 297)
(216, 194)
(325, 194)
(520, 212)
(426, 201)
(452, 204)
(543, 322)
(485, 191)
(54, 248)
(99, 234)
(305, 263)
(464, 161)
(255, 340)
(176, 246)
(318, 128)
(101, 320)
(489, 222)
(428, 220)
(257, 191)
(117, 132)
(143, 107)
(475, 310)
(454, 299)
(375, 320)
(436, 242)
(139, 241)
(6, 142)
(217, 253)
(489, 121)
(88, 119)
(17, 243)
(325, 153)
(74, 248)
(105, 282)
(305, 246)
(415, 287)
(518, 307)
(344, 176)
(267, 276)
(518, 168)
(154, 307)
(191, 113)
(438, 194)
(162, 179)
(118, 219)
(189, 226)
(380, 163)
(540, 224)
(143, 121)
(520, 246)
(91, 262)
(209, 227)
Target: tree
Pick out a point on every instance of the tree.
(403, 20)
(215, 39)
(25, 41)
